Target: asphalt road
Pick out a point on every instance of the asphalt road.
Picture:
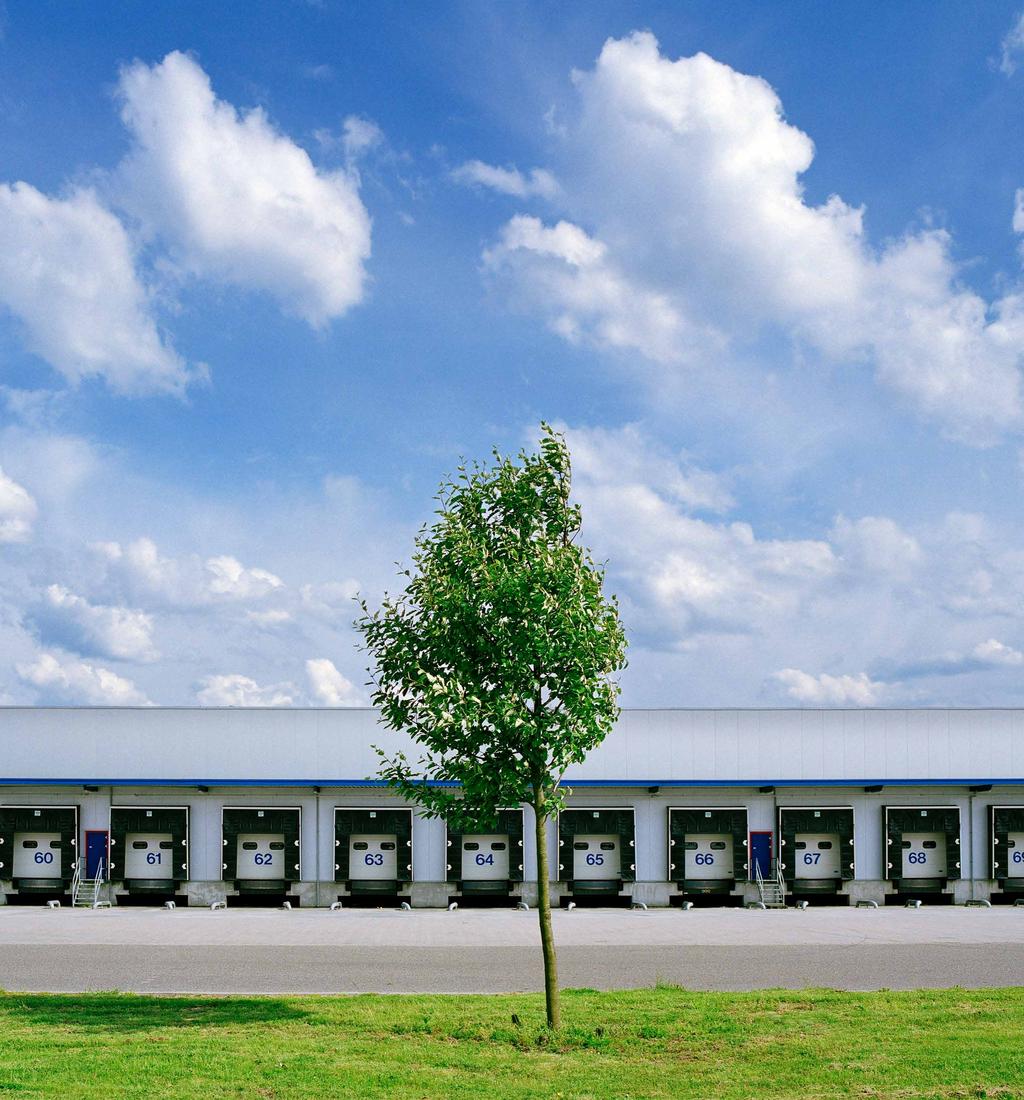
(318, 952)
(499, 970)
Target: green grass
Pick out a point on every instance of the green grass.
(662, 1042)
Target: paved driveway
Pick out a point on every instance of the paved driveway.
(317, 951)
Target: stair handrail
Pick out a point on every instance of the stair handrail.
(97, 883)
(76, 880)
(781, 881)
(759, 879)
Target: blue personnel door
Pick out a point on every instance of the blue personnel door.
(760, 854)
(95, 850)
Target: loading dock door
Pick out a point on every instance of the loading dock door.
(596, 849)
(922, 847)
(261, 856)
(261, 847)
(149, 847)
(596, 857)
(708, 848)
(817, 856)
(149, 856)
(37, 855)
(924, 855)
(38, 846)
(373, 857)
(1015, 856)
(708, 856)
(373, 849)
(485, 857)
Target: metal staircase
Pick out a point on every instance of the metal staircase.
(86, 893)
(771, 891)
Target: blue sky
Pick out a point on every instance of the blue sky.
(266, 274)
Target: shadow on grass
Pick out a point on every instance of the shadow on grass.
(126, 1012)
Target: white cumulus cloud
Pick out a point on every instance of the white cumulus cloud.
(330, 600)
(329, 687)
(985, 656)
(230, 579)
(236, 200)
(359, 135)
(831, 691)
(71, 622)
(1012, 47)
(235, 690)
(67, 272)
(876, 544)
(686, 230)
(625, 456)
(269, 620)
(17, 511)
(715, 606)
(67, 680)
(143, 573)
(995, 653)
(586, 298)
(508, 181)
(684, 573)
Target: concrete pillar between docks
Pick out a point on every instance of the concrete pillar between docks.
(206, 893)
(963, 892)
(430, 895)
(307, 893)
(865, 890)
(654, 894)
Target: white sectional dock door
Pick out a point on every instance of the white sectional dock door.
(372, 849)
(1006, 832)
(149, 848)
(38, 848)
(922, 846)
(707, 849)
(149, 856)
(487, 863)
(36, 855)
(596, 848)
(262, 846)
(816, 848)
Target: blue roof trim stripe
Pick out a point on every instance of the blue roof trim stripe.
(199, 783)
(789, 782)
(106, 782)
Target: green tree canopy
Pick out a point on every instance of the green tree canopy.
(499, 656)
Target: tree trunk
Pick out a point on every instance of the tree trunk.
(547, 938)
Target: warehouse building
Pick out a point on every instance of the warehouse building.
(718, 807)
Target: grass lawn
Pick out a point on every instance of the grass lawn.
(662, 1042)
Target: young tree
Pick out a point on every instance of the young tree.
(498, 657)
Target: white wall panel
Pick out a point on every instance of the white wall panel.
(647, 746)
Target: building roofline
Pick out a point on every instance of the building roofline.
(569, 782)
(194, 708)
